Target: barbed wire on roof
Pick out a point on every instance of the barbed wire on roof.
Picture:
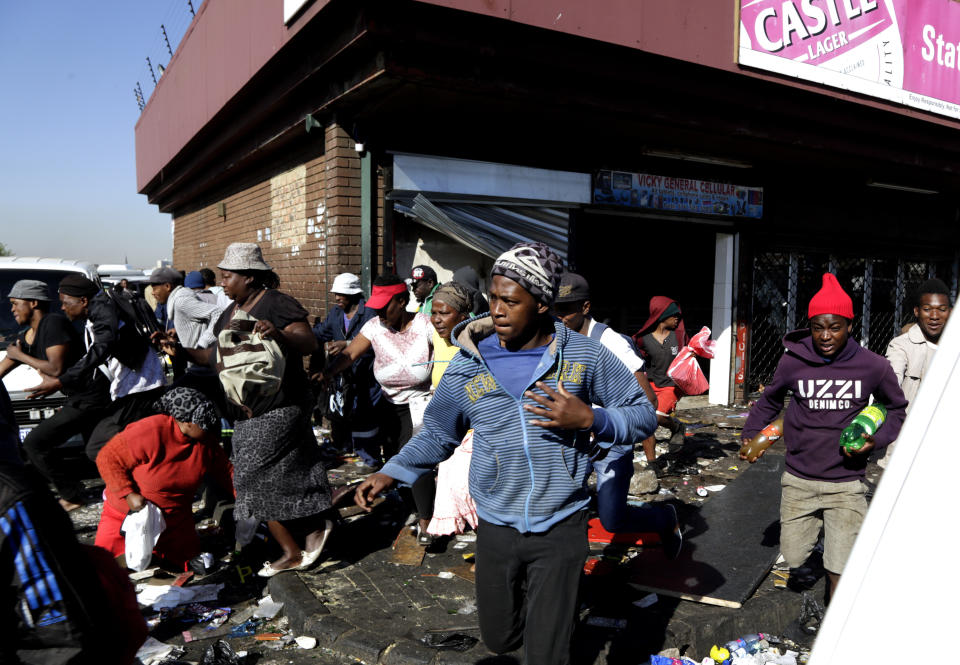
(165, 38)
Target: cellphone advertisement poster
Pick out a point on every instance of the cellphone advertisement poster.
(657, 192)
(904, 51)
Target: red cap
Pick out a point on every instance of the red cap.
(831, 299)
(382, 294)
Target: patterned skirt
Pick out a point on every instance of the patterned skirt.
(277, 470)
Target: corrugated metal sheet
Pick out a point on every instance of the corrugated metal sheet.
(491, 229)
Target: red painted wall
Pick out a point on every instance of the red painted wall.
(225, 45)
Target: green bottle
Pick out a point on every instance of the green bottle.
(866, 422)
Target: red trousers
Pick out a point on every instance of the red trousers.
(177, 544)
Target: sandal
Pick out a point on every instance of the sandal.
(310, 558)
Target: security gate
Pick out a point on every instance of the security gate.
(882, 289)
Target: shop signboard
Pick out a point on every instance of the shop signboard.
(657, 192)
(904, 51)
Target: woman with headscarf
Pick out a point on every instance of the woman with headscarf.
(162, 459)
(453, 507)
(278, 472)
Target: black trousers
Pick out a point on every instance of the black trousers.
(124, 411)
(526, 585)
(396, 428)
(53, 432)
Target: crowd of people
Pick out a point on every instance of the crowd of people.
(487, 415)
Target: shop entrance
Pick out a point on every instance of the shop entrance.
(629, 259)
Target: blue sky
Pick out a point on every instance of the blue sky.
(67, 114)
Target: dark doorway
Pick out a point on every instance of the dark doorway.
(629, 259)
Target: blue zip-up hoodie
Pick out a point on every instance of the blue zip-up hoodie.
(522, 475)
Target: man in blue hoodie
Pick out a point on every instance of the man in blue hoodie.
(832, 378)
(525, 383)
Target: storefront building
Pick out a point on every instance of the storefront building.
(373, 136)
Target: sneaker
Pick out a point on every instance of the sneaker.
(678, 436)
(672, 539)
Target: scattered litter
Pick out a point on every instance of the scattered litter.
(166, 596)
(202, 563)
(268, 637)
(467, 608)
(647, 600)
(702, 491)
(445, 574)
(451, 641)
(143, 574)
(755, 649)
(714, 488)
(811, 614)
(154, 651)
(306, 642)
(246, 629)
(243, 614)
(267, 608)
(461, 545)
(220, 653)
(467, 538)
(469, 556)
(734, 468)
(704, 462)
(607, 622)
(279, 643)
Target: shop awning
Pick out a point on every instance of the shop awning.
(490, 228)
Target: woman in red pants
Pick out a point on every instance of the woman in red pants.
(162, 459)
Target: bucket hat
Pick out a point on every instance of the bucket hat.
(243, 256)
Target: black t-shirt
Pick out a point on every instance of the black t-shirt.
(281, 310)
(659, 357)
(56, 330)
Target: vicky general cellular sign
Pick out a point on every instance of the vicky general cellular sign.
(904, 51)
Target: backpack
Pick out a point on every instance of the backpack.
(598, 330)
(136, 323)
(249, 365)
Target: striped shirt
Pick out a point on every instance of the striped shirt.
(522, 475)
(192, 318)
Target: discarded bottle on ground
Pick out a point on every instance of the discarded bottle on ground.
(768, 436)
(748, 643)
(866, 422)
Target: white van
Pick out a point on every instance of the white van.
(30, 412)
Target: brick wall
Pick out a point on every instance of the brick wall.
(306, 218)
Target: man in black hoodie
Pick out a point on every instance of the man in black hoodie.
(832, 379)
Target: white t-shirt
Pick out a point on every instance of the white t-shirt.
(619, 347)
(401, 363)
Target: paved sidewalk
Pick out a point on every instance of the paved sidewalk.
(370, 609)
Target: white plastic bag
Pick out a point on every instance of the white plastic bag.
(142, 529)
(418, 405)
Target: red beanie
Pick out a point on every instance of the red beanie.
(831, 299)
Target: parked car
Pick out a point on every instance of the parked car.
(30, 412)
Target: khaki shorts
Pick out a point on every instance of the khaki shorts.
(806, 505)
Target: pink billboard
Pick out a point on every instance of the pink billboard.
(904, 51)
